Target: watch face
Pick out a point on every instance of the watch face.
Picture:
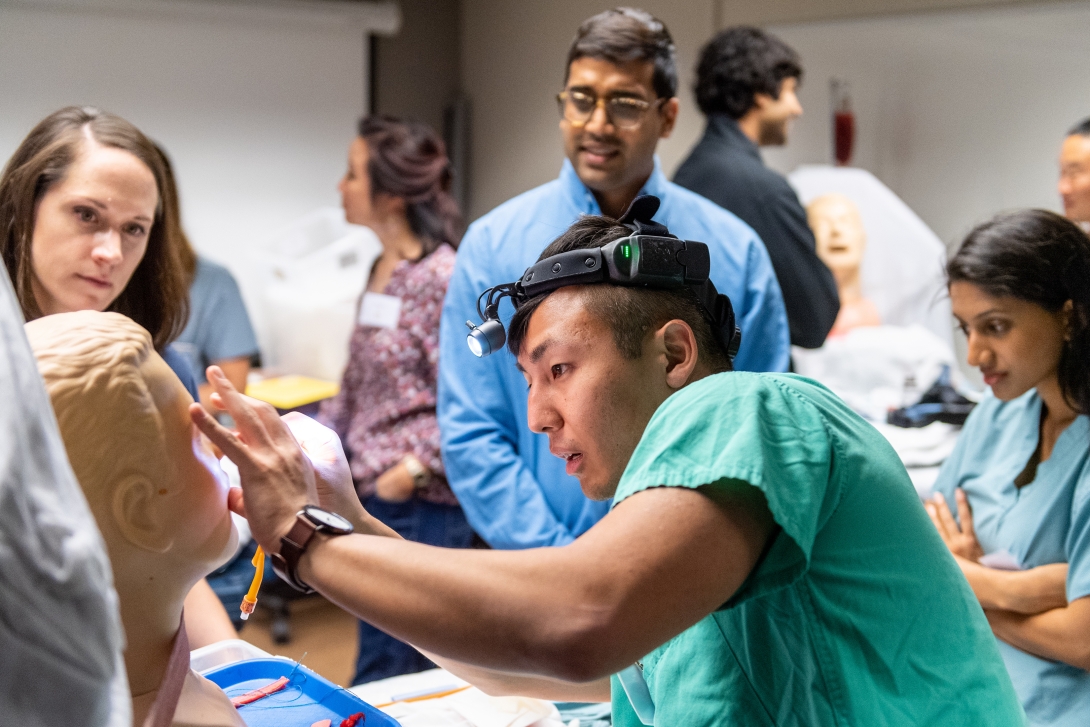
(327, 519)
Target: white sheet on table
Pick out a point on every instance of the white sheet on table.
(868, 367)
(474, 708)
(468, 708)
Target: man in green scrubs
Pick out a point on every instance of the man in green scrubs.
(766, 561)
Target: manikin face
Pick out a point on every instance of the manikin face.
(91, 230)
(838, 231)
(605, 157)
(776, 114)
(1015, 344)
(194, 491)
(591, 401)
(1074, 185)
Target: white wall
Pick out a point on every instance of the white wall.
(768, 12)
(960, 113)
(256, 104)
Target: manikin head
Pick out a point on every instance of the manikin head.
(154, 486)
(600, 359)
(619, 99)
(838, 231)
(750, 76)
(1074, 184)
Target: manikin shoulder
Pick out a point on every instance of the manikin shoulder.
(203, 704)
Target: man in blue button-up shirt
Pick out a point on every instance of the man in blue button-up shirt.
(618, 101)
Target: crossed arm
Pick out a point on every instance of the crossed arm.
(535, 621)
(1027, 609)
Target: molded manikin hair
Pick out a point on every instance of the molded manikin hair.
(92, 371)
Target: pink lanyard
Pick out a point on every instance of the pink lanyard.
(170, 690)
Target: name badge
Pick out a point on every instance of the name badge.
(380, 311)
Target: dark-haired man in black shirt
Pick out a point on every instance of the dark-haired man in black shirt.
(746, 85)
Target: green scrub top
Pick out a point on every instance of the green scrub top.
(856, 615)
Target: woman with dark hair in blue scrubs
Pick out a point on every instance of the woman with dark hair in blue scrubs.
(1019, 479)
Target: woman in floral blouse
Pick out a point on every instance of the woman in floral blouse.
(396, 184)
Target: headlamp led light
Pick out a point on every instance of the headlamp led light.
(649, 258)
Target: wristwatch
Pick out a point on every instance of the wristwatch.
(308, 521)
(418, 471)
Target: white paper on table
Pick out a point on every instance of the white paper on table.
(474, 708)
(393, 689)
(380, 310)
(1000, 560)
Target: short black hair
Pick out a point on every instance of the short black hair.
(630, 313)
(739, 63)
(1082, 128)
(1043, 258)
(623, 35)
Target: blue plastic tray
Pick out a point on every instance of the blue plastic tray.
(306, 699)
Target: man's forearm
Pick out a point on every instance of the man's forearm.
(572, 614)
(1027, 592)
(502, 610)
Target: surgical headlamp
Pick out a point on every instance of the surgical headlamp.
(651, 257)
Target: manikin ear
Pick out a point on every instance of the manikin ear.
(682, 354)
(139, 513)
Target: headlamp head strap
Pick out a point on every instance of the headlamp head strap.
(651, 257)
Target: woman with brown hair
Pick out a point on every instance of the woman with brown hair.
(396, 184)
(84, 226)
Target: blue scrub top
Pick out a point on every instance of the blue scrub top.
(181, 368)
(513, 491)
(1046, 521)
(219, 327)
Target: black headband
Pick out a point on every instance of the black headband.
(650, 257)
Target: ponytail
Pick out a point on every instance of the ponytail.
(408, 160)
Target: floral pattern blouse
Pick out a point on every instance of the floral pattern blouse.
(386, 406)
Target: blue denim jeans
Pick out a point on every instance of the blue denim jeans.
(380, 654)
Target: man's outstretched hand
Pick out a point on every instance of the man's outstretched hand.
(277, 477)
(332, 477)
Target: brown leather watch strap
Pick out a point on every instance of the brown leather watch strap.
(292, 546)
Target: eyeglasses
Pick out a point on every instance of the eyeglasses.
(624, 112)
